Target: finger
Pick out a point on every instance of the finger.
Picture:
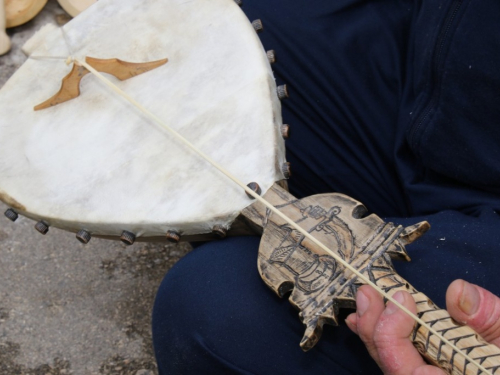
(396, 353)
(352, 322)
(472, 305)
(369, 307)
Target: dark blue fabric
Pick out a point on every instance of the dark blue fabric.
(214, 315)
(344, 62)
(453, 105)
(395, 103)
(447, 153)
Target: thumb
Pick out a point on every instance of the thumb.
(472, 305)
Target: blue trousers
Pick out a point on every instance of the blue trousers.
(395, 103)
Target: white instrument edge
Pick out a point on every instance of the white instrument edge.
(39, 176)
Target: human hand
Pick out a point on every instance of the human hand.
(385, 330)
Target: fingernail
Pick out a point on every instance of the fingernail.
(362, 303)
(391, 307)
(469, 300)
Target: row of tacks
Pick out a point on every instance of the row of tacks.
(126, 237)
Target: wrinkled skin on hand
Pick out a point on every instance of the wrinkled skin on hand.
(385, 330)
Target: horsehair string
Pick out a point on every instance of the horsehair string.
(65, 58)
(38, 57)
(249, 191)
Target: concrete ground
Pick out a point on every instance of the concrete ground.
(66, 308)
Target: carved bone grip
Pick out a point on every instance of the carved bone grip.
(319, 285)
(464, 337)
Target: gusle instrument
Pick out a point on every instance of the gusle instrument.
(192, 149)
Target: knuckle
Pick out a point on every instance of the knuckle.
(383, 339)
(491, 328)
(487, 320)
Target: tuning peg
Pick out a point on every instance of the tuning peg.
(413, 232)
(11, 214)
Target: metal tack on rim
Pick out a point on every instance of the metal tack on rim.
(42, 227)
(83, 236)
(173, 236)
(285, 131)
(220, 231)
(128, 238)
(283, 92)
(257, 25)
(286, 169)
(255, 187)
(11, 214)
(271, 56)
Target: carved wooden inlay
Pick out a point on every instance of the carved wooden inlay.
(319, 286)
(70, 87)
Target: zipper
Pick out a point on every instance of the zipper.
(435, 76)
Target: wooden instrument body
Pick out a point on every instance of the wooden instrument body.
(320, 286)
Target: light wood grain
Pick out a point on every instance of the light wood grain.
(75, 7)
(4, 39)
(19, 12)
(319, 286)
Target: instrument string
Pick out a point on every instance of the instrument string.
(66, 41)
(68, 60)
(273, 209)
(37, 57)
